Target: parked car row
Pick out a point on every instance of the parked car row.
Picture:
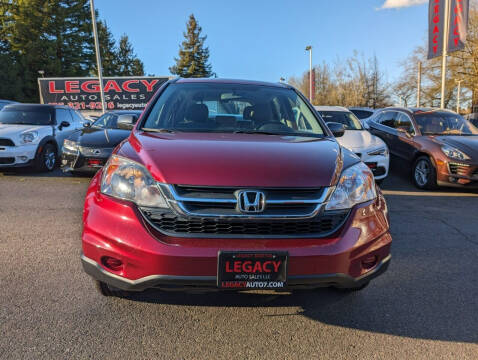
(439, 145)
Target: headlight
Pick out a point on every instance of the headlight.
(383, 151)
(70, 145)
(356, 185)
(28, 137)
(128, 180)
(453, 153)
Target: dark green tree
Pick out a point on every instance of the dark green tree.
(193, 58)
(127, 62)
(108, 51)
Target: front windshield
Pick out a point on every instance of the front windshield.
(443, 123)
(24, 117)
(346, 118)
(232, 108)
(107, 121)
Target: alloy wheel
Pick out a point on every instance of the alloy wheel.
(50, 159)
(422, 172)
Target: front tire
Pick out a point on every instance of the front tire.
(424, 175)
(46, 158)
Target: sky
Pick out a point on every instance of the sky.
(266, 39)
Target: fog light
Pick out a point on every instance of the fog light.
(23, 158)
(112, 263)
(369, 262)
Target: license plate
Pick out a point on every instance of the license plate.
(251, 270)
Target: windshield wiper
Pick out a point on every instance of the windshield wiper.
(168, 131)
(258, 132)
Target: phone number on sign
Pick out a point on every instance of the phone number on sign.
(93, 105)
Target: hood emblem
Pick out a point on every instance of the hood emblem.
(251, 201)
(96, 151)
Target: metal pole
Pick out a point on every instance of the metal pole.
(310, 74)
(444, 55)
(98, 56)
(309, 49)
(458, 96)
(419, 82)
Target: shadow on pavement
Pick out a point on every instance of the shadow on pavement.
(429, 291)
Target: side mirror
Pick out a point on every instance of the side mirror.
(126, 122)
(337, 129)
(64, 124)
(87, 124)
(404, 133)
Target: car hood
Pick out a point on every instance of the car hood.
(236, 160)
(358, 140)
(11, 130)
(467, 144)
(107, 138)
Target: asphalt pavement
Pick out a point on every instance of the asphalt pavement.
(424, 306)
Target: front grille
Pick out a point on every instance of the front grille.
(459, 169)
(6, 142)
(173, 225)
(222, 201)
(6, 160)
(97, 152)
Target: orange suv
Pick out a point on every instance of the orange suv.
(440, 145)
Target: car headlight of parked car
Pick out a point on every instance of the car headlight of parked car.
(28, 137)
(70, 145)
(454, 153)
(356, 185)
(127, 180)
(383, 151)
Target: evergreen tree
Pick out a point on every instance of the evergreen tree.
(193, 55)
(70, 30)
(108, 51)
(127, 62)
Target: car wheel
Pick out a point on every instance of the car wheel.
(352, 289)
(106, 290)
(424, 174)
(46, 158)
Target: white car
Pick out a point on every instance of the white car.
(369, 148)
(32, 135)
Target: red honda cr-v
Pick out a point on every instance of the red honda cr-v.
(233, 185)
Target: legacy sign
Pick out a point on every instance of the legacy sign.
(457, 25)
(121, 93)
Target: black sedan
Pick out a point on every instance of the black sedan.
(88, 149)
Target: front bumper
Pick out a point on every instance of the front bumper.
(457, 174)
(16, 156)
(114, 228)
(97, 272)
(77, 161)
